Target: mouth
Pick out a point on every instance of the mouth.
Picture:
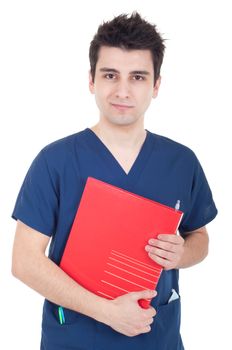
(121, 107)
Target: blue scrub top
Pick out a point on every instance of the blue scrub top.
(164, 171)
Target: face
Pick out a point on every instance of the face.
(123, 85)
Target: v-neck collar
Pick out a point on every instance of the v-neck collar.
(112, 162)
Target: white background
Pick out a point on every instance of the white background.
(44, 96)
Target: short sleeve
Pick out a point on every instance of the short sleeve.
(37, 201)
(201, 208)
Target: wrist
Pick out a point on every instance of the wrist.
(102, 310)
(182, 261)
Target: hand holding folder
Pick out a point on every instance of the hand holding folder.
(105, 249)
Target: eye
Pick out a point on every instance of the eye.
(138, 77)
(110, 76)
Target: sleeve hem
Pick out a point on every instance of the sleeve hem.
(34, 226)
(203, 223)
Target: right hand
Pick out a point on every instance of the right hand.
(127, 317)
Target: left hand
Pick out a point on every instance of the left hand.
(167, 250)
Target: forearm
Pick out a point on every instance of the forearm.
(195, 249)
(45, 277)
(123, 314)
(31, 266)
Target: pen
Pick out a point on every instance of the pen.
(61, 315)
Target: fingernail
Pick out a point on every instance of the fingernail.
(154, 293)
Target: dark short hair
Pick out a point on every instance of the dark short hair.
(128, 33)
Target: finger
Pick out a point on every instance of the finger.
(150, 321)
(152, 311)
(146, 329)
(144, 294)
(170, 247)
(161, 253)
(166, 264)
(175, 239)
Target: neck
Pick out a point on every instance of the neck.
(120, 136)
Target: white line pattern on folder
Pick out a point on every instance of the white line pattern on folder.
(134, 261)
(124, 279)
(113, 285)
(131, 273)
(147, 273)
(125, 260)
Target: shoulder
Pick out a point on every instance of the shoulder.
(167, 146)
(59, 153)
(63, 148)
(65, 144)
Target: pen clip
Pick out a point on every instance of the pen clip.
(177, 206)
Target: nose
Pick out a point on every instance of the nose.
(122, 90)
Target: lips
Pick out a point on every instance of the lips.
(121, 106)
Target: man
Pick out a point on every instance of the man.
(125, 57)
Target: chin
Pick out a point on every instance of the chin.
(122, 120)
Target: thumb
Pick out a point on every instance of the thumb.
(144, 294)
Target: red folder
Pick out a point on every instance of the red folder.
(105, 251)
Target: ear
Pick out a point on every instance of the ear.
(156, 87)
(91, 83)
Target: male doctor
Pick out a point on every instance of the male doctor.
(126, 55)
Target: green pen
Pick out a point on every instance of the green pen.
(61, 315)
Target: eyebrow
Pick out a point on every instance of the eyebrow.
(142, 72)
